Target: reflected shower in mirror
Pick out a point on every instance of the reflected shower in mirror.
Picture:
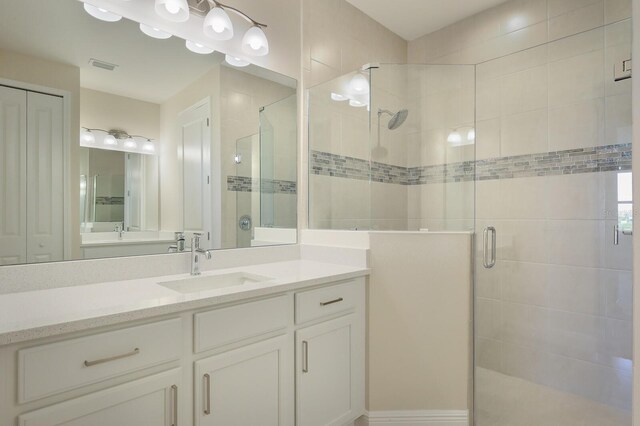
(119, 142)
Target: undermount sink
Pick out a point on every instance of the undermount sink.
(212, 282)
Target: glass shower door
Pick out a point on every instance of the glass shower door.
(553, 330)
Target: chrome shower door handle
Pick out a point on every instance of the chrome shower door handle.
(616, 235)
(489, 254)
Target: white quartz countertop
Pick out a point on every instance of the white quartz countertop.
(49, 312)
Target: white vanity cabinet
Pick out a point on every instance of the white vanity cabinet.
(252, 385)
(151, 401)
(288, 358)
(330, 381)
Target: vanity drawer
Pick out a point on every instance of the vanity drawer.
(325, 301)
(233, 324)
(59, 367)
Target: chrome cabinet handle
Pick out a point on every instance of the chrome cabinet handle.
(174, 390)
(489, 256)
(207, 395)
(305, 356)
(136, 351)
(331, 302)
(616, 235)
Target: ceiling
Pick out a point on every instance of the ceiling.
(148, 69)
(411, 19)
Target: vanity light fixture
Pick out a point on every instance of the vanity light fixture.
(217, 24)
(101, 13)
(236, 61)
(198, 48)
(109, 139)
(154, 32)
(173, 10)
(255, 41)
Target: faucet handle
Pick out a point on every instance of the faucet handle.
(195, 240)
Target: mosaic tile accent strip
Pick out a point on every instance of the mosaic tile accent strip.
(110, 201)
(269, 186)
(327, 164)
(572, 161)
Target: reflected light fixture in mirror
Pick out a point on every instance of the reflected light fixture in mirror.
(110, 140)
(154, 32)
(359, 85)
(87, 137)
(198, 48)
(338, 97)
(101, 13)
(235, 61)
(173, 10)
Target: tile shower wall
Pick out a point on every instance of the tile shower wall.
(338, 39)
(241, 96)
(556, 309)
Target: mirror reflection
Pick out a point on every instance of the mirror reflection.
(116, 143)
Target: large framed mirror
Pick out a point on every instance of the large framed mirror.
(115, 143)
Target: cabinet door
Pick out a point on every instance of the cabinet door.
(330, 372)
(152, 401)
(250, 386)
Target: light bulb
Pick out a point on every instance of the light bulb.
(154, 32)
(130, 143)
(110, 140)
(454, 137)
(149, 146)
(255, 42)
(101, 13)
(173, 10)
(217, 25)
(172, 7)
(359, 84)
(196, 47)
(236, 61)
(471, 136)
(88, 137)
(338, 97)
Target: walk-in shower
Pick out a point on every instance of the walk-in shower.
(535, 144)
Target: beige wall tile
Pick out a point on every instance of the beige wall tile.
(577, 125)
(617, 10)
(524, 133)
(576, 21)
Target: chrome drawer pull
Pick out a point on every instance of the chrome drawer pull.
(174, 388)
(331, 302)
(136, 351)
(207, 398)
(305, 356)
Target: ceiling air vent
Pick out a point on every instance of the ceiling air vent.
(102, 64)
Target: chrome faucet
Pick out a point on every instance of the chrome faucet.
(119, 229)
(196, 251)
(179, 246)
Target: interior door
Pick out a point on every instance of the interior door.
(45, 178)
(196, 155)
(134, 171)
(13, 176)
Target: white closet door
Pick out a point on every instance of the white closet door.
(13, 174)
(45, 180)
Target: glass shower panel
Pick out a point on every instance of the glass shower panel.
(553, 332)
(422, 147)
(248, 196)
(278, 159)
(339, 154)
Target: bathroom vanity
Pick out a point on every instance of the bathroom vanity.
(274, 344)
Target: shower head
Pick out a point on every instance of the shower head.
(397, 119)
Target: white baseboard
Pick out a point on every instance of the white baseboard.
(416, 418)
